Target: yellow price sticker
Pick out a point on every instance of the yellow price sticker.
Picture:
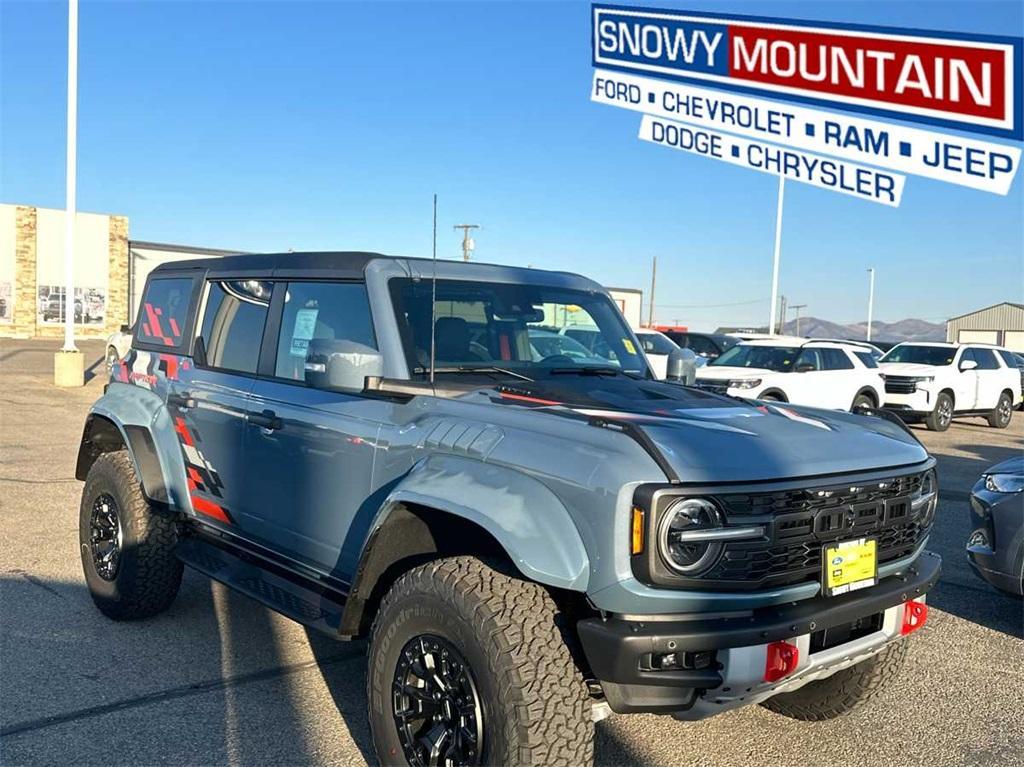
(629, 346)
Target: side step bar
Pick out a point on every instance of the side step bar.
(286, 595)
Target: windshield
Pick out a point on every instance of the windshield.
(777, 358)
(528, 329)
(921, 355)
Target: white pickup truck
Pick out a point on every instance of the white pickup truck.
(939, 381)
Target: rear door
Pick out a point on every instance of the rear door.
(311, 464)
(991, 377)
(208, 399)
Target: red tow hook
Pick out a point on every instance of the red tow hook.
(914, 616)
(781, 661)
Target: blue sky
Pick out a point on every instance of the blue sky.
(268, 126)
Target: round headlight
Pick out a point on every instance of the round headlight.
(683, 546)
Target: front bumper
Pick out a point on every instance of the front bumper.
(995, 547)
(729, 647)
(919, 402)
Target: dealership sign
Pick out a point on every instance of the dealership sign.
(966, 82)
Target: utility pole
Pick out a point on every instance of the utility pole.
(467, 242)
(871, 299)
(782, 316)
(650, 308)
(797, 308)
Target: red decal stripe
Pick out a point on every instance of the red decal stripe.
(210, 509)
(524, 398)
(182, 429)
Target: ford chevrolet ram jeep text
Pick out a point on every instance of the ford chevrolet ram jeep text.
(382, 447)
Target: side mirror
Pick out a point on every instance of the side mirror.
(681, 367)
(968, 365)
(804, 368)
(342, 365)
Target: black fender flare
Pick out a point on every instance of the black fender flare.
(102, 435)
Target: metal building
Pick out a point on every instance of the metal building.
(1001, 324)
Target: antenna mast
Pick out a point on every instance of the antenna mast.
(433, 298)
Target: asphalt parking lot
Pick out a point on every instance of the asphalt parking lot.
(219, 679)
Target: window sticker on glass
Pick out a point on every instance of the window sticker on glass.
(305, 325)
(629, 346)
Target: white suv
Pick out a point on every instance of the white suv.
(841, 375)
(937, 381)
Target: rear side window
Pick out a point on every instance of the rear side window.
(835, 359)
(322, 315)
(164, 312)
(1008, 358)
(233, 321)
(868, 359)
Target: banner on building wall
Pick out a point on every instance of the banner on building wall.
(90, 305)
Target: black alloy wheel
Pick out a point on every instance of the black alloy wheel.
(435, 704)
(105, 536)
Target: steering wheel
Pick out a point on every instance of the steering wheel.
(558, 359)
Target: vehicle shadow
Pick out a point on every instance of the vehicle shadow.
(959, 590)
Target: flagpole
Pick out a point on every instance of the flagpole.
(69, 221)
(778, 251)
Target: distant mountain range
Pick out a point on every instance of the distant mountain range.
(904, 330)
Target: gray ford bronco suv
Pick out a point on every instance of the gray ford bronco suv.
(530, 535)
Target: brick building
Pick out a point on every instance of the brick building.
(32, 273)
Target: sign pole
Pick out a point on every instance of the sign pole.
(69, 225)
(778, 250)
(68, 369)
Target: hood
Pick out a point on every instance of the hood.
(908, 369)
(724, 372)
(705, 437)
(1013, 465)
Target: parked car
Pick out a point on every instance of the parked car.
(118, 344)
(547, 344)
(709, 346)
(995, 547)
(370, 446)
(840, 375)
(937, 382)
(657, 347)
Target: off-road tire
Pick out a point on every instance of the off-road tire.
(536, 709)
(935, 420)
(148, 574)
(845, 690)
(1001, 415)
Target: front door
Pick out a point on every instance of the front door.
(966, 386)
(311, 444)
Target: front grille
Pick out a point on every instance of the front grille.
(715, 387)
(900, 385)
(800, 522)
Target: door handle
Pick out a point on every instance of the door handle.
(183, 401)
(267, 421)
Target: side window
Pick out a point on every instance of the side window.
(703, 347)
(808, 361)
(322, 318)
(965, 356)
(233, 320)
(835, 359)
(1007, 358)
(164, 312)
(986, 359)
(870, 360)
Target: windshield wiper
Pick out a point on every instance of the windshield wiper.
(474, 369)
(594, 370)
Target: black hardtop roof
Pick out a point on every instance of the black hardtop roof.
(339, 264)
(345, 262)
